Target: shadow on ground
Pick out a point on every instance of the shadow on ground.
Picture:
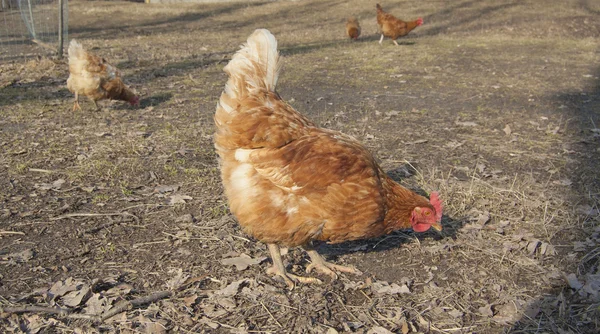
(568, 310)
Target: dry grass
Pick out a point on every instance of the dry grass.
(494, 104)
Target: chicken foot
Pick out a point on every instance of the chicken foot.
(319, 264)
(76, 104)
(278, 269)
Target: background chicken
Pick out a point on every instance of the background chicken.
(290, 182)
(352, 28)
(391, 27)
(95, 78)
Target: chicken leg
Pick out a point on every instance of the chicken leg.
(395, 42)
(279, 270)
(324, 267)
(381, 39)
(76, 105)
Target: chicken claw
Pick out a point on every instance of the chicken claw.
(291, 279)
(279, 270)
(327, 268)
(76, 104)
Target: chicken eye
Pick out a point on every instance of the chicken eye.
(427, 213)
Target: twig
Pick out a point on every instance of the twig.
(149, 243)
(36, 309)
(101, 227)
(345, 308)
(241, 238)
(189, 238)
(71, 215)
(12, 232)
(39, 170)
(271, 314)
(51, 310)
(128, 305)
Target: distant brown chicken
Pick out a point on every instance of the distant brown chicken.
(391, 27)
(352, 28)
(95, 78)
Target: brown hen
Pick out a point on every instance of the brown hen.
(391, 27)
(95, 78)
(290, 182)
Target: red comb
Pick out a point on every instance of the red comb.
(434, 199)
(419, 21)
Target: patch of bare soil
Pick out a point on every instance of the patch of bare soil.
(115, 221)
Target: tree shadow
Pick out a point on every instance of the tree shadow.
(452, 18)
(90, 31)
(563, 308)
(155, 100)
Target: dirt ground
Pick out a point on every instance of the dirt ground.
(493, 103)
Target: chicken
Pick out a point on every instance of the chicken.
(95, 78)
(391, 27)
(352, 28)
(290, 182)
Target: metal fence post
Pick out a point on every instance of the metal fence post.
(60, 29)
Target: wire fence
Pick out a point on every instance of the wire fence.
(30, 28)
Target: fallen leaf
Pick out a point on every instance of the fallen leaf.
(231, 289)
(19, 257)
(486, 310)
(573, 282)
(390, 289)
(243, 261)
(97, 304)
(532, 245)
(151, 327)
(179, 279)
(404, 327)
(189, 301)
(563, 182)
(455, 314)
(179, 199)
(507, 130)
(206, 321)
(506, 314)
(454, 144)
(75, 298)
(34, 323)
(379, 330)
(165, 189)
(467, 124)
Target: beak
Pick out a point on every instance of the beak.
(437, 226)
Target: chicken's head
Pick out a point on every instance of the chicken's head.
(135, 100)
(423, 218)
(419, 21)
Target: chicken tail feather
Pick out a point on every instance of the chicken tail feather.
(76, 51)
(255, 66)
